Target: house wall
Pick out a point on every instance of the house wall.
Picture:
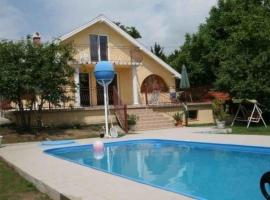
(61, 117)
(204, 116)
(86, 116)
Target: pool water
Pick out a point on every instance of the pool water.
(198, 170)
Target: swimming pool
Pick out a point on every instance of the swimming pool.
(198, 170)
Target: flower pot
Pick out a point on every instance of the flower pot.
(220, 124)
(131, 127)
(179, 123)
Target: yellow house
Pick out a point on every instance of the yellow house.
(136, 67)
(143, 82)
(142, 79)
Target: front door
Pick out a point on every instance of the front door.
(84, 89)
(100, 94)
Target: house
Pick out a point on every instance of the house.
(135, 66)
(142, 80)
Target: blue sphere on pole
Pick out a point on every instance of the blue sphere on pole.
(104, 72)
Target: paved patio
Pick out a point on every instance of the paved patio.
(59, 178)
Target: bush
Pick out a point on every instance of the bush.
(178, 116)
(218, 109)
(132, 119)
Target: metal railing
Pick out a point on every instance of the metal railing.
(125, 55)
(194, 95)
(120, 110)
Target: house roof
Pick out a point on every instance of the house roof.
(104, 19)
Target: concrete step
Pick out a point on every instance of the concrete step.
(157, 121)
(149, 119)
(141, 128)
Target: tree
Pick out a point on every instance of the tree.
(159, 51)
(34, 74)
(131, 30)
(231, 50)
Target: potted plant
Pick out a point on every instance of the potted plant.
(219, 113)
(132, 121)
(178, 117)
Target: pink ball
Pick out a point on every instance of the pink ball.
(98, 148)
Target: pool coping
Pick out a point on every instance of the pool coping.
(14, 155)
(201, 145)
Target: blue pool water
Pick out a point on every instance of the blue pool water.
(198, 170)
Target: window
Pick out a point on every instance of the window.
(98, 47)
(84, 89)
(193, 114)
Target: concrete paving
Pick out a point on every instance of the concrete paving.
(59, 178)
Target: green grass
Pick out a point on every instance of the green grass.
(253, 130)
(14, 187)
(241, 129)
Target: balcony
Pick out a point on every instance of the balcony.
(120, 55)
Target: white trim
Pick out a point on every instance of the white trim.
(103, 18)
(77, 83)
(135, 92)
(90, 88)
(108, 51)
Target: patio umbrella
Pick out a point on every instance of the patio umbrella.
(184, 84)
(184, 78)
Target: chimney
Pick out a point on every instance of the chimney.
(36, 38)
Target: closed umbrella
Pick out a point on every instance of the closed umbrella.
(184, 84)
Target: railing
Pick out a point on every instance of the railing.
(156, 97)
(120, 110)
(125, 55)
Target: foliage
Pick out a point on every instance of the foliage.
(218, 109)
(178, 116)
(132, 119)
(34, 74)
(131, 30)
(159, 51)
(231, 50)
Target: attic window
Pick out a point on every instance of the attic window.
(98, 48)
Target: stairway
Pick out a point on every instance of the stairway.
(150, 120)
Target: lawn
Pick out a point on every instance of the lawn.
(11, 135)
(253, 130)
(14, 187)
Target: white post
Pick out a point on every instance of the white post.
(77, 83)
(106, 110)
(134, 86)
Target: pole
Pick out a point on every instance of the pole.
(106, 110)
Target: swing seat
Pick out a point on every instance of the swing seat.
(254, 116)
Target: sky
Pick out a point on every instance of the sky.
(163, 21)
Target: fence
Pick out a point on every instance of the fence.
(116, 54)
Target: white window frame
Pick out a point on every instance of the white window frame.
(108, 50)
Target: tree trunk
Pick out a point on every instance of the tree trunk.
(39, 115)
(29, 124)
(22, 115)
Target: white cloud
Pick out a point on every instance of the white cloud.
(162, 21)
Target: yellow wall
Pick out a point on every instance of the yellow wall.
(205, 113)
(119, 49)
(96, 115)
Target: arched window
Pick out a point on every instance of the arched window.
(154, 82)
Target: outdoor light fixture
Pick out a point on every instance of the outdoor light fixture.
(104, 73)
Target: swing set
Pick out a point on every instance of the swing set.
(244, 114)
